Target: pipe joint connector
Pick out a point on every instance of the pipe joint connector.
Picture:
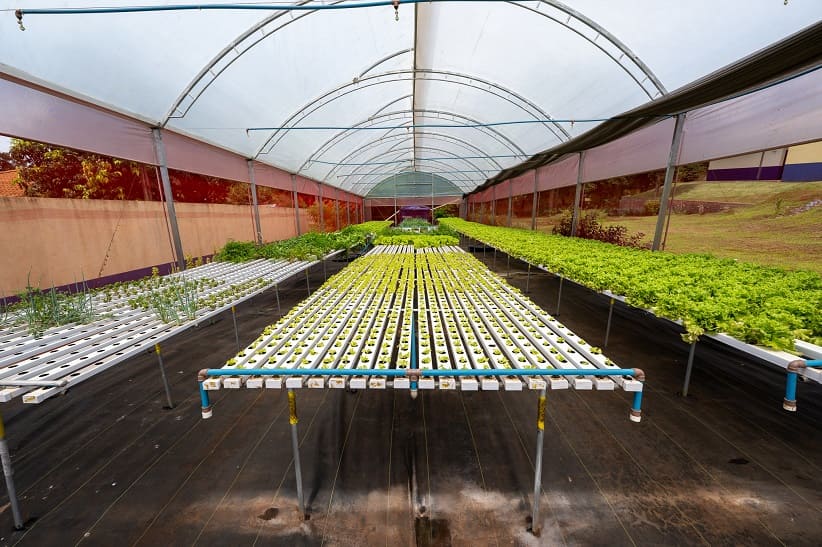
(639, 374)
(797, 366)
(202, 376)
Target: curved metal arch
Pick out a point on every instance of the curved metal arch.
(413, 150)
(394, 76)
(397, 154)
(238, 47)
(462, 177)
(404, 136)
(401, 114)
(387, 179)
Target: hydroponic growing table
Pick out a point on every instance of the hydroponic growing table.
(419, 319)
(37, 368)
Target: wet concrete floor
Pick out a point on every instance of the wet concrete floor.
(107, 464)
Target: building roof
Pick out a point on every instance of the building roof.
(8, 188)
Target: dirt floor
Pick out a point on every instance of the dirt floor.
(106, 464)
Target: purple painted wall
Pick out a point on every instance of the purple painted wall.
(802, 172)
(768, 172)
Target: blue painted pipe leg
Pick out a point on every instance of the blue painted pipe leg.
(789, 403)
(636, 408)
(205, 402)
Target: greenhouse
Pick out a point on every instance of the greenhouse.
(441, 272)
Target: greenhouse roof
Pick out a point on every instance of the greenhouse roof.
(345, 92)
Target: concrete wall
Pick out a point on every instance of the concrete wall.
(60, 241)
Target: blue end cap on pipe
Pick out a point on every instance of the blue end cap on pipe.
(413, 364)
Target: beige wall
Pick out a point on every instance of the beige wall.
(805, 153)
(60, 241)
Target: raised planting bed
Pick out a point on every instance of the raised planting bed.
(419, 319)
(37, 368)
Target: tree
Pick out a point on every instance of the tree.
(5, 162)
(51, 171)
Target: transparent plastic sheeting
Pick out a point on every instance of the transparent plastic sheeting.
(213, 75)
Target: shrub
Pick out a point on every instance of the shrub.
(589, 227)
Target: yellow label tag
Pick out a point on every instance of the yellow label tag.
(157, 349)
(541, 413)
(292, 408)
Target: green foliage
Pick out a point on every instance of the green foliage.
(42, 310)
(417, 240)
(756, 304)
(310, 246)
(589, 227)
(413, 223)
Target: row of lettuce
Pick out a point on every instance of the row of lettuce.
(759, 305)
(313, 245)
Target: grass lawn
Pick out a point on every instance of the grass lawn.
(768, 232)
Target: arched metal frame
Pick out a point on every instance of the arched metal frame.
(447, 169)
(405, 136)
(256, 34)
(413, 76)
(403, 115)
(388, 179)
(412, 149)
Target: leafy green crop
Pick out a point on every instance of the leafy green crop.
(417, 240)
(759, 305)
(310, 246)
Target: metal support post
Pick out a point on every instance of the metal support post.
(160, 152)
(535, 522)
(325, 275)
(510, 203)
(295, 446)
(528, 278)
(669, 178)
(307, 286)
(9, 474)
(688, 369)
(322, 207)
(163, 375)
(347, 214)
(495, 258)
(534, 204)
(296, 202)
(493, 205)
(559, 294)
(277, 295)
(236, 332)
(577, 196)
(337, 213)
(608, 326)
(254, 204)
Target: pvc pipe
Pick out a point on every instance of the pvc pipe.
(8, 472)
(635, 372)
(636, 408)
(163, 375)
(789, 403)
(413, 364)
(206, 404)
(535, 524)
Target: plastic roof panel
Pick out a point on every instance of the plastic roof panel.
(218, 76)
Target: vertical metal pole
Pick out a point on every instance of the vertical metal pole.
(277, 294)
(534, 204)
(510, 202)
(688, 369)
(347, 213)
(307, 285)
(236, 332)
(559, 294)
(535, 522)
(8, 472)
(494, 205)
(163, 375)
(322, 209)
(669, 178)
(296, 203)
(295, 446)
(528, 278)
(337, 213)
(254, 204)
(608, 326)
(160, 152)
(577, 196)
